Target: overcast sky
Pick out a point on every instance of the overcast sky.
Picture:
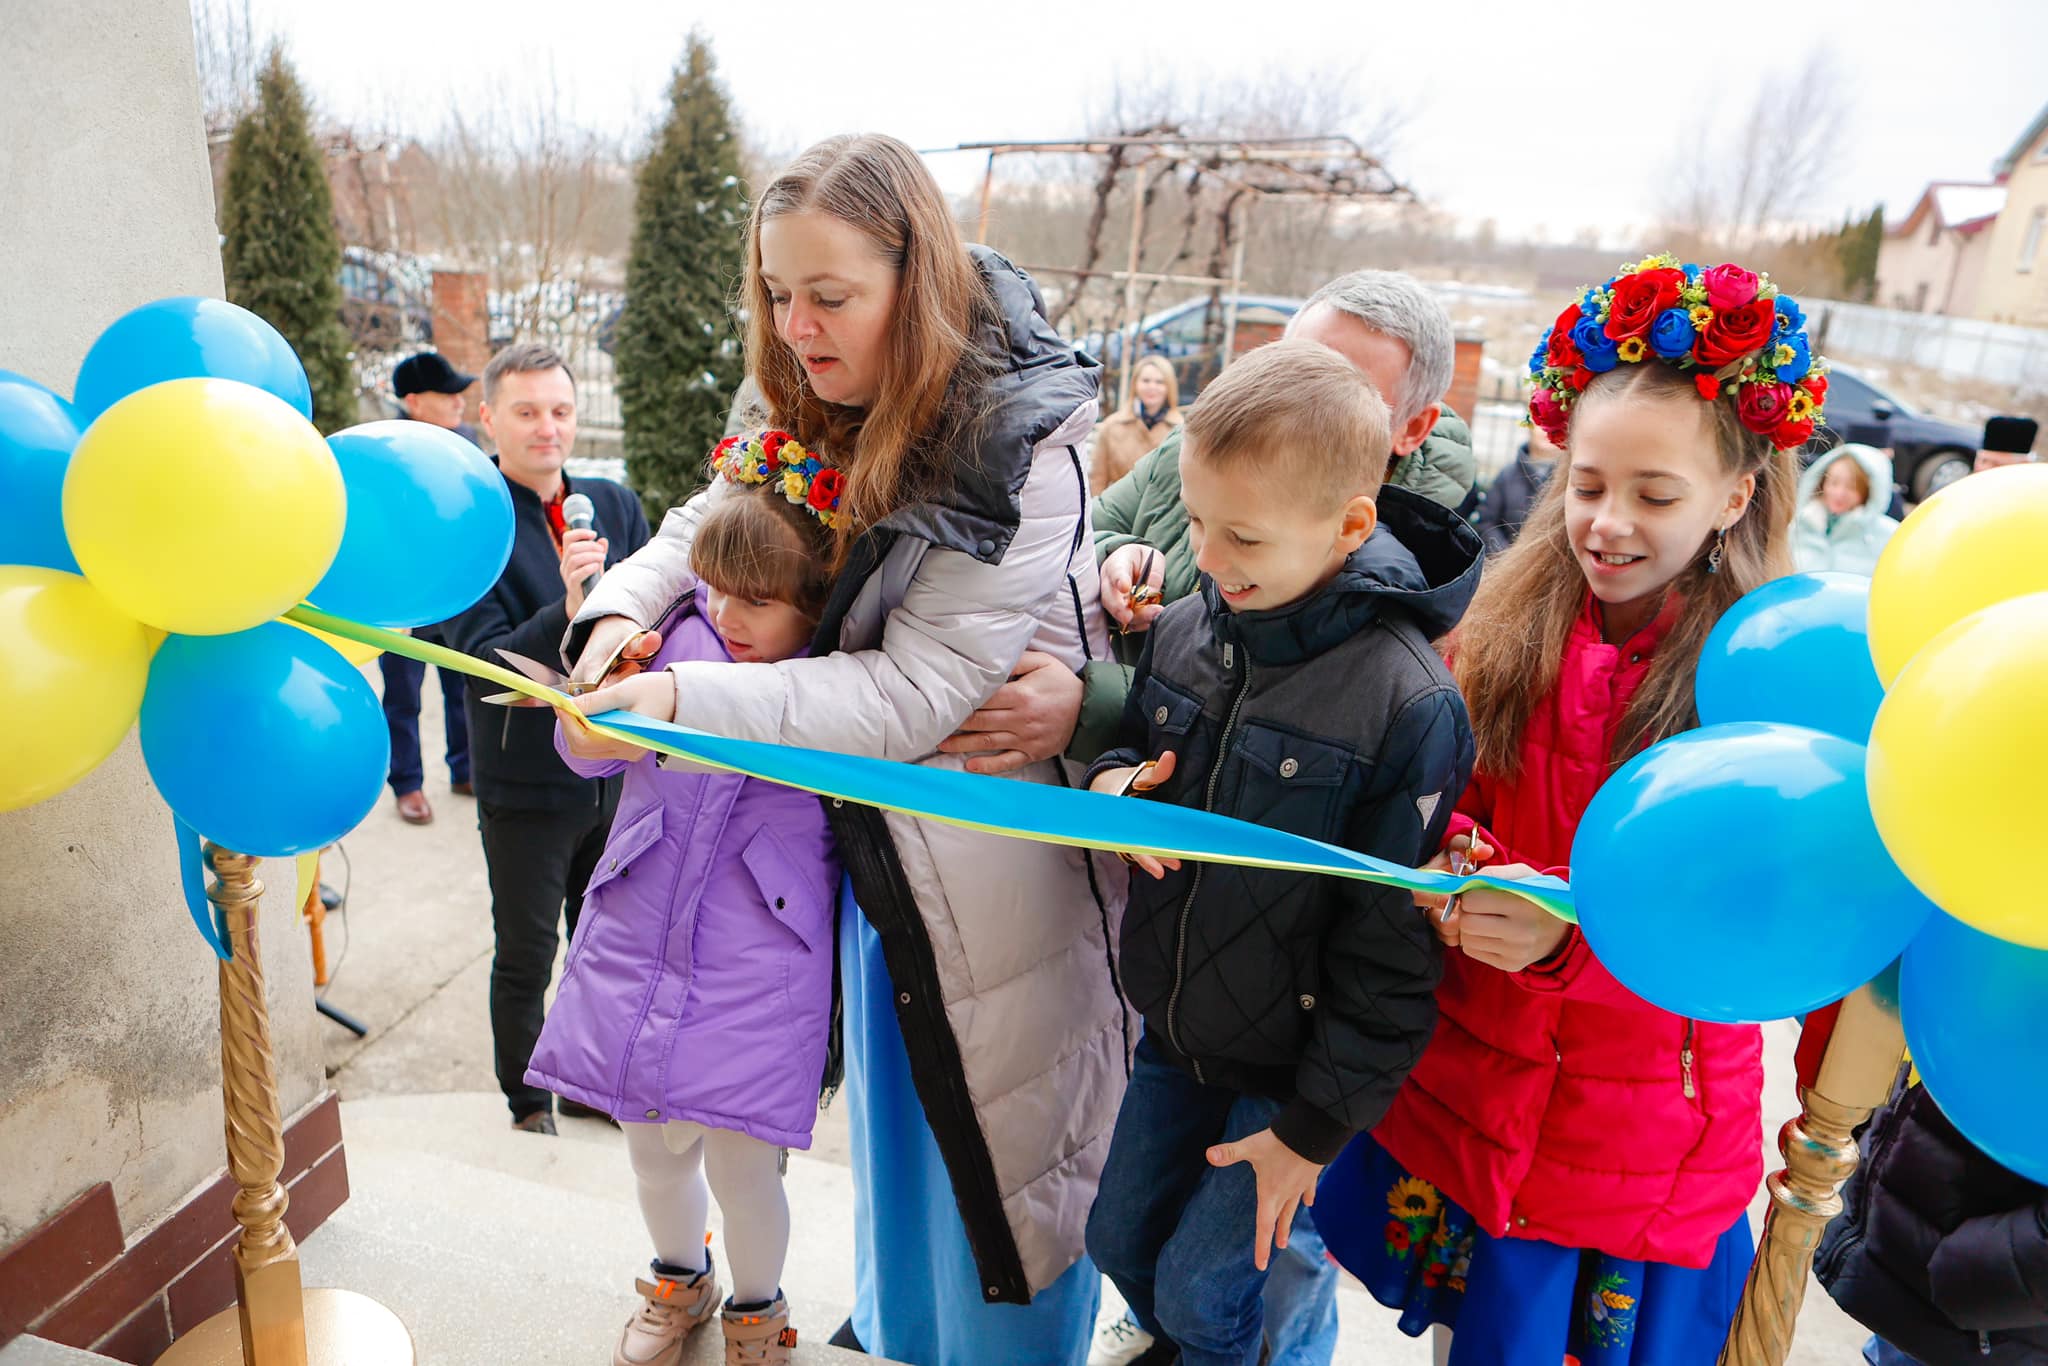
(1543, 122)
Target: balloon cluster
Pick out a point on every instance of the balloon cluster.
(152, 529)
(1868, 780)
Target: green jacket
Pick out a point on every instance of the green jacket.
(1144, 507)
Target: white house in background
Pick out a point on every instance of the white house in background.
(1933, 261)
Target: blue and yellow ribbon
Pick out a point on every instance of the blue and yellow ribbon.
(1033, 811)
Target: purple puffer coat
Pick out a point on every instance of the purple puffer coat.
(699, 984)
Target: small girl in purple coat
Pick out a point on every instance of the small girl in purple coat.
(696, 1003)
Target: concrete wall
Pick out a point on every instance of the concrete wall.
(109, 1028)
(1948, 264)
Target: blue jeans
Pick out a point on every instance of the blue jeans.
(1175, 1235)
(402, 680)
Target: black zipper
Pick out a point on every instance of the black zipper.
(1180, 938)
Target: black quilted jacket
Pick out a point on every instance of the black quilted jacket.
(1335, 719)
(1940, 1251)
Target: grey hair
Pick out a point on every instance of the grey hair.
(1398, 306)
(521, 358)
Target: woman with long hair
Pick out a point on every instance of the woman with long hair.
(1125, 436)
(986, 1043)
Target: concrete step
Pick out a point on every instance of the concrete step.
(500, 1247)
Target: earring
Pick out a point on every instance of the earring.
(1720, 547)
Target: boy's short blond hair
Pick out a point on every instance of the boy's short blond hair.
(1300, 411)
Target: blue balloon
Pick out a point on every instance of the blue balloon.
(265, 741)
(1976, 1011)
(188, 338)
(1734, 873)
(37, 431)
(429, 525)
(1796, 652)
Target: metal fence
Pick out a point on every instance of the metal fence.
(1957, 348)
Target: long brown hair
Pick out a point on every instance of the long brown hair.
(893, 451)
(1508, 651)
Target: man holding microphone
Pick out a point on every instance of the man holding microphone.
(543, 826)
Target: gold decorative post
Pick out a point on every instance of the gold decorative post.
(1856, 1074)
(275, 1322)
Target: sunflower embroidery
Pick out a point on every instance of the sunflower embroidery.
(1413, 1198)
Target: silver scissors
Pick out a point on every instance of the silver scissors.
(1462, 863)
(539, 673)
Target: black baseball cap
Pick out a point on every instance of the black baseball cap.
(428, 373)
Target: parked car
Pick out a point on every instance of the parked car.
(1182, 335)
(1928, 453)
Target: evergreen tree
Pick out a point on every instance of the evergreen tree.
(281, 255)
(679, 355)
(1861, 243)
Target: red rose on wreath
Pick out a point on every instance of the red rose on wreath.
(1817, 385)
(826, 486)
(718, 451)
(1581, 377)
(1735, 332)
(1709, 387)
(1563, 351)
(1788, 434)
(771, 442)
(1546, 412)
(1762, 406)
(1397, 1235)
(1730, 286)
(1638, 300)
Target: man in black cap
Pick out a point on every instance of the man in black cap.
(431, 390)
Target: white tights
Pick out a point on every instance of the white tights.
(671, 1160)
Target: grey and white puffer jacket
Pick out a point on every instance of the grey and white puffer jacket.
(1000, 949)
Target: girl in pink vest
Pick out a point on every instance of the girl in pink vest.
(1565, 1173)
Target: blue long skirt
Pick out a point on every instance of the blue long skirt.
(1519, 1301)
(917, 1293)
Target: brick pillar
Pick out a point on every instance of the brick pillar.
(462, 326)
(1464, 394)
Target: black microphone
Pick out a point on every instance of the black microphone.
(577, 512)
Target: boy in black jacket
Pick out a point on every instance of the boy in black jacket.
(1299, 690)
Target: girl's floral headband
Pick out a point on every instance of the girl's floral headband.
(770, 456)
(1730, 329)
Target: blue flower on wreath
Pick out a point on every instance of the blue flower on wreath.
(1600, 350)
(1790, 319)
(1793, 370)
(1672, 335)
(1692, 272)
(1589, 302)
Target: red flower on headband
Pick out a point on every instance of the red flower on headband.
(1730, 286)
(1563, 352)
(1709, 387)
(1735, 332)
(826, 486)
(771, 442)
(1817, 385)
(1788, 434)
(1639, 298)
(1762, 406)
(718, 451)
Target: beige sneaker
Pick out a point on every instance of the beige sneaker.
(654, 1335)
(759, 1338)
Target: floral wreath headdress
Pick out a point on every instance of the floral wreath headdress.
(773, 457)
(1729, 328)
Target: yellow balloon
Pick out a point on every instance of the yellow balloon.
(72, 671)
(1958, 767)
(354, 651)
(203, 506)
(1980, 540)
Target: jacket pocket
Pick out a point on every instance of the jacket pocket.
(790, 896)
(627, 844)
(1290, 782)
